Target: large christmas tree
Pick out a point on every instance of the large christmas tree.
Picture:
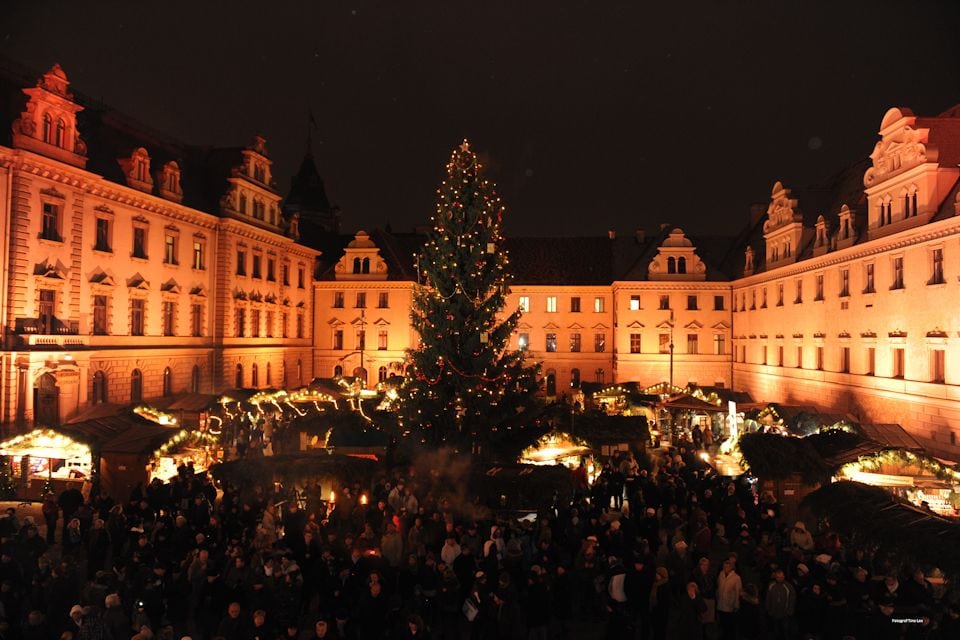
(463, 380)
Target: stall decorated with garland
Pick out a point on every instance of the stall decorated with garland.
(45, 460)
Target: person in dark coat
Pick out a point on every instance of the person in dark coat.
(685, 615)
(116, 624)
(371, 614)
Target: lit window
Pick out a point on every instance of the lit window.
(551, 343)
(599, 342)
(525, 304)
(598, 305)
(170, 249)
(574, 342)
(551, 304)
(634, 303)
(523, 341)
(199, 263)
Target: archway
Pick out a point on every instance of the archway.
(361, 373)
(551, 383)
(46, 400)
(99, 395)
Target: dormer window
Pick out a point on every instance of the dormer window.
(141, 164)
(259, 174)
(47, 128)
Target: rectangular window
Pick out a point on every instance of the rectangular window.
(170, 249)
(525, 304)
(551, 304)
(897, 273)
(99, 315)
(938, 366)
(634, 303)
(199, 260)
(50, 226)
(664, 343)
(844, 283)
(270, 323)
(196, 320)
(382, 340)
(337, 339)
(692, 303)
(137, 319)
(140, 242)
(819, 358)
(599, 342)
(598, 305)
(360, 340)
(635, 343)
(845, 359)
(763, 354)
(898, 362)
(47, 311)
(338, 299)
(300, 327)
(779, 294)
(936, 256)
(361, 300)
(664, 302)
(753, 299)
(868, 278)
(780, 356)
(240, 320)
(551, 344)
(169, 318)
(871, 366)
(300, 277)
(799, 357)
(575, 343)
(693, 343)
(718, 303)
(284, 332)
(271, 269)
(285, 275)
(383, 300)
(103, 235)
(799, 297)
(241, 262)
(598, 376)
(575, 304)
(818, 283)
(763, 298)
(719, 344)
(523, 341)
(255, 323)
(255, 269)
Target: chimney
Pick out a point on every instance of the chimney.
(612, 234)
(757, 211)
(640, 235)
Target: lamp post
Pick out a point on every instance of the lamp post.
(671, 348)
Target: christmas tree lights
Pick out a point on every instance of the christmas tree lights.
(462, 379)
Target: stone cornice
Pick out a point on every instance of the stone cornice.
(667, 286)
(907, 238)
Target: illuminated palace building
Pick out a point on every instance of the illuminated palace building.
(138, 267)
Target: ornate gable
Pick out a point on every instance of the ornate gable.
(48, 125)
(361, 260)
(677, 260)
(136, 170)
(251, 192)
(783, 230)
(901, 147)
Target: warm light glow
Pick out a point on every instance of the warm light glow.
(333, 496)
(363, 499)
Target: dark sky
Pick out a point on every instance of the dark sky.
(591, 114)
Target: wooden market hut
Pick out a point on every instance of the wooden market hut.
(790, 468)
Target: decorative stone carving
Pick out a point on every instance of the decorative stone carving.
(900, 147)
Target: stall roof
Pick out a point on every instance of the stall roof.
(690, 403)
(891, 436)
(124, 433)
(192, 402)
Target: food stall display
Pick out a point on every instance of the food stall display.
(185, 447)
(44, 459)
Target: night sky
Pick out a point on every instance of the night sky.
(589, 115)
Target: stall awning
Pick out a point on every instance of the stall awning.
(891, 436)
(689, 403)
(44, 443)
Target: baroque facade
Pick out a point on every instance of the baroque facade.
(136, 267)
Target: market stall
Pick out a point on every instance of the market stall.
(556, 448)
(45, 460)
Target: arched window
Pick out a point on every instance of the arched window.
(681, 265)
(356, 265)
(60, 132)
(671, 265)
(167, 382)
(361, 373)
(195, 379)
(269, 375)
(366, 265)
(136, 386)
(338, 371)
(575, 378)
(254, 376)
(551, 382)
(382, 374)
(238, 382)
(99, 388)
(47, 128)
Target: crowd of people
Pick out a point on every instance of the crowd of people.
(654, 549)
